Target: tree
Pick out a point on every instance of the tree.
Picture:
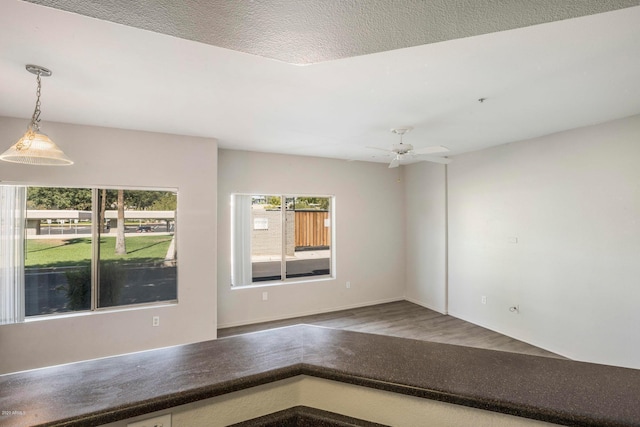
(121, 247)
(166, 202)
(315, 203)
(141, 199)
(274, 201)
(103, 207)
(50, 198)
(133, 200)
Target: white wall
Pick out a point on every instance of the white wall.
(572, 200)
(112, 157)
(425, 264)
(369, 240)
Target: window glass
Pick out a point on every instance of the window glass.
(138, 253)
(57, 260)
(266, 238)
(51, 261)
(309, 237)
(270, 243)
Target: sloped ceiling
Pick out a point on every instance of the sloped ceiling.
(310, 31)
(231, 70)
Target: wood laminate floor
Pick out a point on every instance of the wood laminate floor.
(407, 320)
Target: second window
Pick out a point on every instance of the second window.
(280, 237)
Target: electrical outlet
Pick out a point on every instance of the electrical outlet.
(484, 299)
(161, 421)
(265, 296)
(348, 285)
(155, 321)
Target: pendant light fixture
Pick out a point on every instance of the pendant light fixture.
(35, 148)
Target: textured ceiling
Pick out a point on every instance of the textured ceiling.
(537, 79)
(310, 31)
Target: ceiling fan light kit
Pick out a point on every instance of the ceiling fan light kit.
(401, 150)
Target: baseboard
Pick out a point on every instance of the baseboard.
(309, 313)
(425, 305)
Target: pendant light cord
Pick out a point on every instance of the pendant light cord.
(34, 126)
(35, 118)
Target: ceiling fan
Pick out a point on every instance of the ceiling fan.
(401, 151)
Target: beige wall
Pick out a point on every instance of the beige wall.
(552, 225)
(111, 157)
(369, 228)
(426, 222)
(548, 224)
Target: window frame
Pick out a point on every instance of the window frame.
(95, 254)
(284, 280)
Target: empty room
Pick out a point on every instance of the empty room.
(344, 212)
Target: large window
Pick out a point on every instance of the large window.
(280, 238)
(75, 249)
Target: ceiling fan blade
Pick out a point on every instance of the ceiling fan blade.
(431, 150)
(441, 160)
(380, 149)
(395, 162)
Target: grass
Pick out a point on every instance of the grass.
(71, 252)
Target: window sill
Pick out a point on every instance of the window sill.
(286, 282)
(144, 306)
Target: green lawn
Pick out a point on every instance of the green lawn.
(59, 253)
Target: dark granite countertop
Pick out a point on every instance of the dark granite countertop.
(106, 390)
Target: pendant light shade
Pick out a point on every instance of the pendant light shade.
(36, 148)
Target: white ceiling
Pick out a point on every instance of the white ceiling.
(537, 80)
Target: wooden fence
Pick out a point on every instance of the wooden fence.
(310, 229)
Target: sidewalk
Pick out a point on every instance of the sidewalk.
(299, 255)
(69, 236)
